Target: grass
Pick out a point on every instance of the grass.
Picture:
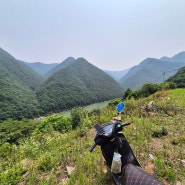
(43, 157)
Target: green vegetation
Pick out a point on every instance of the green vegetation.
(19, 71)
(178, 79)
(43, 156)
(79, 84)
(148, 71)
(16, 101)
(11, 130)
(24, 94)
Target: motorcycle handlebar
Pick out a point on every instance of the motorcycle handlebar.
(92, 148)
(125, 124)
(101, 131)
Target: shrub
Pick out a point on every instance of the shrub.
(76, 117)
(148, 89)
(58, 123)
(159, 132)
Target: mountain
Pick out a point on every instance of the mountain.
(150, 70)
(40, 68)
(78, 84)
(47, 70)
(19, 71)
(17, 85)
(178, 78)
(62, 65)
(16, 100)
(180, 57)
(117, 75)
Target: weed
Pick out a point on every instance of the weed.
(159, 132)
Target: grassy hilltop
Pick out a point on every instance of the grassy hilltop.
(39, 152)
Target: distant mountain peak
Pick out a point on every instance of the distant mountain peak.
(62, 65)
(179, 57)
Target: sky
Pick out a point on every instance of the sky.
(111, 34)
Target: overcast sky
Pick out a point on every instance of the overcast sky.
(111, 34)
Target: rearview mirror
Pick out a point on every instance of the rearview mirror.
(120, 107)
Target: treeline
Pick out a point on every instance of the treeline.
(176, 81)
(13, 131)
(16, 101)
(25, 94)
(78, 84)
(178, 78)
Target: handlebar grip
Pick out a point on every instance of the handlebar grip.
(125, 124)
(92, 148)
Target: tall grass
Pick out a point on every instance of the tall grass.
(43, 157)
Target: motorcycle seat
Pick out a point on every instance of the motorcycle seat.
(134, 175)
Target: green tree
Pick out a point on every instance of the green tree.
(130, 94)
(76, 117)
(170, 85)
(148, 89)
(57, 123)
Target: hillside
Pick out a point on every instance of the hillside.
(178, 78)
(62, 65)
(16, 101)
(157, 139)
(19, 71)
(17, 83)
(180, 57)
(71, 83)
(80, 83)
(150, 70)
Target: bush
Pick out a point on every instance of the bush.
(114, 102)
(11, 176)
(148, 89)
(159, 132)
(130, 94)
(58, 123)
(76, 117)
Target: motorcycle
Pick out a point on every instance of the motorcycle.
(118, 154)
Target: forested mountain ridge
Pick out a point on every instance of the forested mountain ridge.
(19, 71)
(180, 57)
(16, 100)
(24, 93)
(80, 83)
(150, 70)
(17, 85)
(62, 65)
(178, 78)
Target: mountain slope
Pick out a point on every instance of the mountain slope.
(117, 75)
(40, 68)
(17, 82)
(62, 65)
(20, 71)
(178, 78)
(80, 83)
(150, 70)
(180, 57)
(16, 101)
